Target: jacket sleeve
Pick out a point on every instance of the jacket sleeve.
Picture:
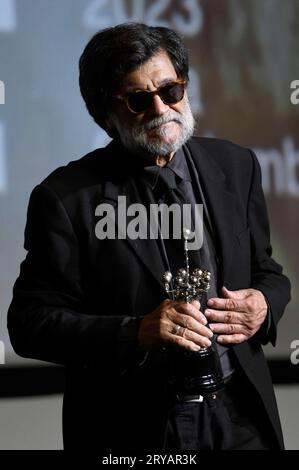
(47, 318)
(266, 273)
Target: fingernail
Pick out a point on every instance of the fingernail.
(211, 334)
(209, 343)
(208, 311)
(211, 302)
(203, 319)
(196, 348)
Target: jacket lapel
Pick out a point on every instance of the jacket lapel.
(221, 206)
(221, 203)
(146, 249)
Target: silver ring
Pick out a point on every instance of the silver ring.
(176, 329)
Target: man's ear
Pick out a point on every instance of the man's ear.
(108, 122)
(110, 127)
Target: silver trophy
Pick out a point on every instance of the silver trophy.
(193, 372)
(187, 286)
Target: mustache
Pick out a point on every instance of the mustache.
(161, 120)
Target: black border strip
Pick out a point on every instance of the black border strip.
(48, 380)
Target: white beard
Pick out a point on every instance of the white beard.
(138, 141)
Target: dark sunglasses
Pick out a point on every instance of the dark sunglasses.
(141, 100)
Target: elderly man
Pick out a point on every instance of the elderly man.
(97, 304)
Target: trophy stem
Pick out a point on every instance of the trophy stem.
(186, 260)
(192, 372)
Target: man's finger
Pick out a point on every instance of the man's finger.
(192, 324)
(232, 339)
(224, 316)
(228, 304)
(234, 294)
(227, 329)
(186, 343)
(196, 304)
(192, 311)
(199, 340)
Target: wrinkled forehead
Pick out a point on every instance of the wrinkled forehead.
(151, 74)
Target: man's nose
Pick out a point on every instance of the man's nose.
(158, 106)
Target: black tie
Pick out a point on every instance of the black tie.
(175, 190)
(171, 192)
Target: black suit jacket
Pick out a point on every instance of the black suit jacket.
(78, 299)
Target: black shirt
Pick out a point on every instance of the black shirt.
(158, 185)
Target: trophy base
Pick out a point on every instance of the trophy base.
(197, 372)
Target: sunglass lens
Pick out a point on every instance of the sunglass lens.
(140, 101)
(172, 93)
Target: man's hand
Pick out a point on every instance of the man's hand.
(175, 322)
(239, 315)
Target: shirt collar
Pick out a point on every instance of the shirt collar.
(178, 164)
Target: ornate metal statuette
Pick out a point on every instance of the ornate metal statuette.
(193, 372)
